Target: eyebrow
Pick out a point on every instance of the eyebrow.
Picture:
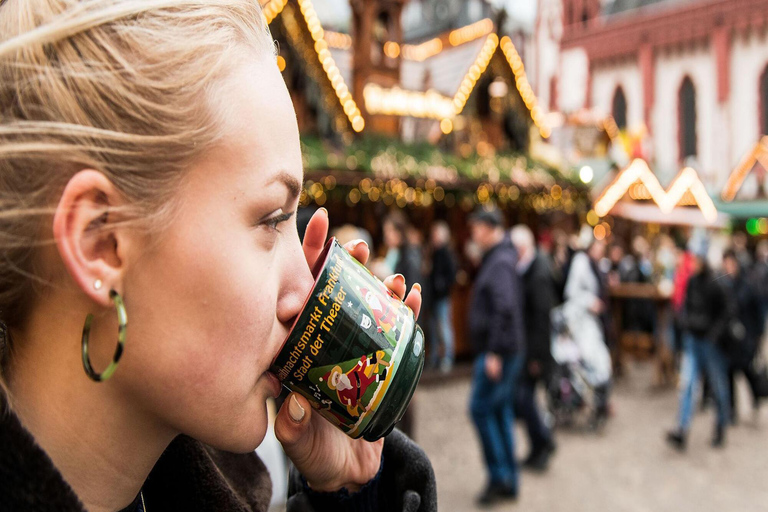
(291, 183)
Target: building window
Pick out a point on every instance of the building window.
(764, 102)
(619, 108)
(687, 119)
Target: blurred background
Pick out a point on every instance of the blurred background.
(637, 125)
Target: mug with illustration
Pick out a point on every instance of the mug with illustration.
(355, 351)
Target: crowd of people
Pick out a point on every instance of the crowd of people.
(540, 322)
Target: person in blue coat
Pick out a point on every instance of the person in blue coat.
(496, 333)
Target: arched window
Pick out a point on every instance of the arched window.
(687, 119)
(764, 102)
(619, 108)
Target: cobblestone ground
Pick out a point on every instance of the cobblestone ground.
(628, 468)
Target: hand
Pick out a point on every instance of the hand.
(493, 366)
(597, 307)
(323, 454)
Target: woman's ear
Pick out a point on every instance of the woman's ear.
(90, 241)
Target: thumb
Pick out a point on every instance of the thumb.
(293, 428)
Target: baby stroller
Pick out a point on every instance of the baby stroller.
(571, 395)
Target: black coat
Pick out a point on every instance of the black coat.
(409, 265)
(495, 311)
(192, 477)
(540, 292)
(443, 272)
(707, 310)
(747, 311)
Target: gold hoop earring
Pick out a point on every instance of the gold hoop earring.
(122, 319)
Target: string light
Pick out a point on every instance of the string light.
(611, 128)
(391, 49)
(423, 51)
(639, 181)
(397, 101)
(524, 87)
(338, 40)
(470, 32)
(638, 170)
(271, 8)
(326, 60)
(688, 181)
(758, 154)
(477, 69)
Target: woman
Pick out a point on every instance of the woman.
(402, 257)
(151, 165)
(442, 277)
(705, 319)
(583, 310)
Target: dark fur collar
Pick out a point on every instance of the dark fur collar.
(188, 476)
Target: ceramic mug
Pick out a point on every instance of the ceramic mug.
(355, 351)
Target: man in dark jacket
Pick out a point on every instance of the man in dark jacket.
(705, 317)
(540, 296)
(442, 277)
(747, 327)
(496, 332)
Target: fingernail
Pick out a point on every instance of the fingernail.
(356, 243)
(399, 279)
(321, 209)
(295, 410)
(417, 286)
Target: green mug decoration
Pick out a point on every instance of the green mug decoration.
(355, 351)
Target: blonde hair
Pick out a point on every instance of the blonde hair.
(120, 86)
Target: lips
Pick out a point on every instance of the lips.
(274, 384)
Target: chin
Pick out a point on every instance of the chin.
(243, 433)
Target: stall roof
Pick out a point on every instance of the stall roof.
(640, 183)
(743, 209)
(681, 216)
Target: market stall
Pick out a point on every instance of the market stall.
(634, 203)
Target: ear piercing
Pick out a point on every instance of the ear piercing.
(97, 284)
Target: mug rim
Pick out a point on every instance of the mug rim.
(322, 259)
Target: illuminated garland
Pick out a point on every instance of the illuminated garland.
(758, 154)
(338, 40)
(327, 62)
(416, 52)
(425, 193)
(470, 32)
(271, 8)
(427, 104)
(423, 51)
(399, 102)
(477, 69)
(524, 87)
(639, 181)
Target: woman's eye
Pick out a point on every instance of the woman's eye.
(274, 222)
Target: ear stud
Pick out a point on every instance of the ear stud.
(97, 284)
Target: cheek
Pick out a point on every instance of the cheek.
(202, 319)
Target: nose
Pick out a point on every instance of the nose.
(296, 283)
